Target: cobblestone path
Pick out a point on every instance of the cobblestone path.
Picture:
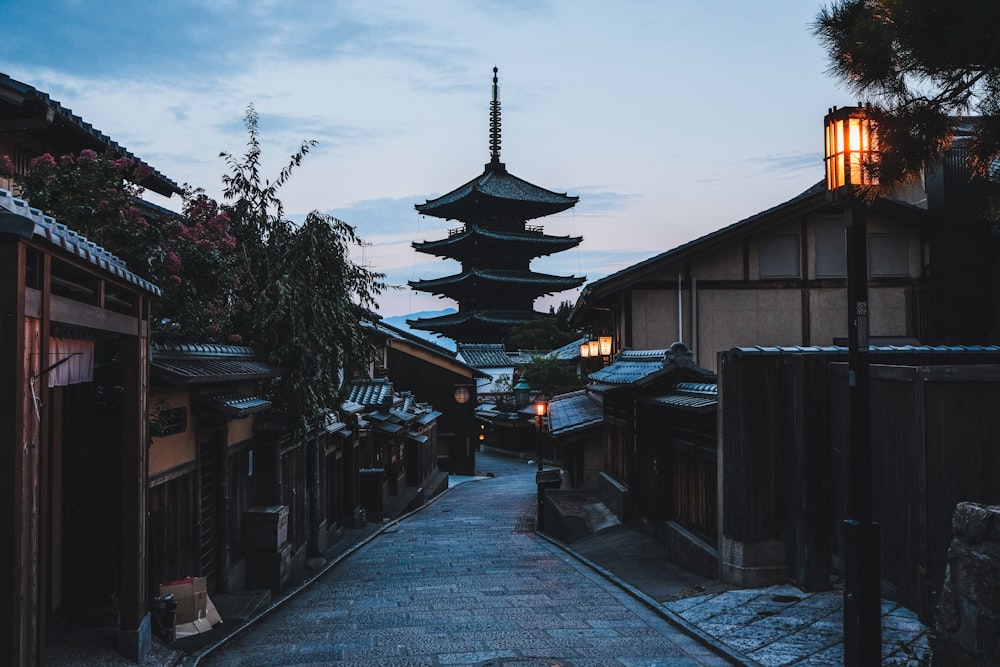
(460, 583)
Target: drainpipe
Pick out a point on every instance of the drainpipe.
(694, 319)
(680, 310)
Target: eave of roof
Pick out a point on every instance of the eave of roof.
(497, 188)
(428, 350)
(36, 105)
(47, 228)
(574, 412)
(233, 404)
(186, 364)
(811, 200)
(533, 244)
(479, 278)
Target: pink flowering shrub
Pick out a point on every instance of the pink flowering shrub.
(189, 256)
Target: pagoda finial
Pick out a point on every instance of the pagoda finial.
(495, 122)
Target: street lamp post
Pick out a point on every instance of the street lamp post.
(542, 479)
(849, 147)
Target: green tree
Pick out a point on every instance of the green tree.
(545, 333)
(549, 375)
(920, 63)
(302, 297)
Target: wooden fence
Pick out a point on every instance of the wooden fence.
(935, 439)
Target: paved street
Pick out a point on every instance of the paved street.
(459, 583)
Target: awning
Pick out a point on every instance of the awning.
(693, 396)
(417, 437)
(233, 403)
(200, 364)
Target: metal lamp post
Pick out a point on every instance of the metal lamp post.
(849, 146)
(543, 480)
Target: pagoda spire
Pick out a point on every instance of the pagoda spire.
(495, 123)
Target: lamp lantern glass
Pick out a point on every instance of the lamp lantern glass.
(462, 395)
(850, 147)
(541, 407)
(585, 350)
(605, 345)
(521, 392)
(595, 348)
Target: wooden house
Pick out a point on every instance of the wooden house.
(436, 376)
(775, 278)
(202, 403)
(74, 372)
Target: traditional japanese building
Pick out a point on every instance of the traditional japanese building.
(496, 287)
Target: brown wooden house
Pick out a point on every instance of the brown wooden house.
(74, 371)
(201, 471)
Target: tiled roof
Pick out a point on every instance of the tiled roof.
(484, 278)
(484, 355)
(637, 366)
(497, 187)
(22, 101)
(487, 317)
(60, 235)
(573, 412)
(199, 364)
(535, 244)
(570, 351)
(233, 404)
(691, 396)
(371, 393)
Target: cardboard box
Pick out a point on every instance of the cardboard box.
(195, 611)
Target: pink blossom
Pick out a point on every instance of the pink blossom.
(174, 280)
(235, 338)
(87, 156)
(44, 160)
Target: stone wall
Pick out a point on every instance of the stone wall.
(968, 628)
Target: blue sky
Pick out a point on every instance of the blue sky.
(668, 118)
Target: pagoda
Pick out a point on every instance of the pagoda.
(496, 288)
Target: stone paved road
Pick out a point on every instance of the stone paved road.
(458, 584)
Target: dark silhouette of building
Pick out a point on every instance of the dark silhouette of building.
(496, 287)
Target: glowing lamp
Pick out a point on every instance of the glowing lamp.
(462, 395)
(850, 147)
(595, 348)
(585, 350)
(541, 407)
(605, 345)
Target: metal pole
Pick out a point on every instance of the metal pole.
(862, 594)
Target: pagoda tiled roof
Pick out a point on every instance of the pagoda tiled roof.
(473, 325)
(540, 283)
(532, 243)
(497, 191)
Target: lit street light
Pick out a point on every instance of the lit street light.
(849, 147)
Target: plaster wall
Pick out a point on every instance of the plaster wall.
(654, 318)
(738, 318)
(827, 315)
(177, 449)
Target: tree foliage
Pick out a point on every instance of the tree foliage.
(303, 297)
(546, 333)
(549, 375)
(189, 256)
(921, 64)
(238, 273)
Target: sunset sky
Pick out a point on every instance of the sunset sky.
(669, 119)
